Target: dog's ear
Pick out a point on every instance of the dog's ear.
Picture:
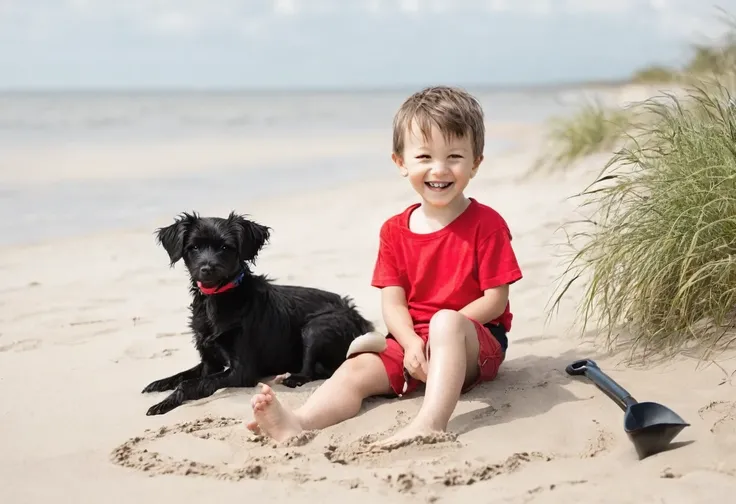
(172, 237)
(251, 236)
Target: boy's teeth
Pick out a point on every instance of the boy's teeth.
(438, 184)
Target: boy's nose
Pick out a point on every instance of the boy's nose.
(439, 167)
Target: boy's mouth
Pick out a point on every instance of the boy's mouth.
(438, 186)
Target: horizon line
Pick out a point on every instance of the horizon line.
(547, 86)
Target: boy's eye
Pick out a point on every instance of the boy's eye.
(423, 156)
(457, 156)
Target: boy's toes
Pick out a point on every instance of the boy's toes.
(253, 427)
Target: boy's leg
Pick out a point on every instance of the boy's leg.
(337, 399)
(454, 346)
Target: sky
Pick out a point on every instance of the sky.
(302, 44)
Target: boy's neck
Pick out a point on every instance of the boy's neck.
(448, 213)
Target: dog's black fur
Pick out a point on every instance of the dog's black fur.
(257, 328)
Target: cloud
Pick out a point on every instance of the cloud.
(285, 7)
(45, 20)
(410, 5)
(603, 7)
(338, 42)
(658, 4)
(498, 5)
(373, 6)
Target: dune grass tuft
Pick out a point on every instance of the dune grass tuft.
(658, 251)
(655, 74)
(593, 128)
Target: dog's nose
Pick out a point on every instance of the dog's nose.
(205, 269)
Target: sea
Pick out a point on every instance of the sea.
(33, 121)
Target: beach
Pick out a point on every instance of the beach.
(91, 313)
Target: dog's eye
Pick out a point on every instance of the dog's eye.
(225, 248)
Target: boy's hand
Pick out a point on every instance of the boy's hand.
(415, 361)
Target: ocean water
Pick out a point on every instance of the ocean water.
(31, 121)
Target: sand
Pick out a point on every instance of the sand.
(88, 321)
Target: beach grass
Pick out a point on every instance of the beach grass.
(591, 129)
(594, 128)
(656, 74)
(657, 250)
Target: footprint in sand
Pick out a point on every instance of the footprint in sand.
(223, 449)
(402, 469)
(723, 416)
(220, 448)
(470, 475)
(24, 345)
(598, 445)
(364, 452)
(166, 451)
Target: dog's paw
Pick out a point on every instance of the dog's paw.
(161, 408)
(295, 380)
(158, 386)
(279, 379)
(250, 382)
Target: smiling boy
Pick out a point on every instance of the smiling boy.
(444, 267)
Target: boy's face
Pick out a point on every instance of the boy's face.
(438, 169)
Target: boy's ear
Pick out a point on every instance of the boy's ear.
(399, 162)
(476, 165)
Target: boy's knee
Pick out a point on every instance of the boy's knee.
(358, 370)
(448, 326)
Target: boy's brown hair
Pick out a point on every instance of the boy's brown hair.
(454, 111)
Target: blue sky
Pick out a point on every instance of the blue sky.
(339, 43)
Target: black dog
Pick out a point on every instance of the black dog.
(246, 327)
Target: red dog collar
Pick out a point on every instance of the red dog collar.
(208, 291)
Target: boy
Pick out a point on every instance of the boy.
(444, 268)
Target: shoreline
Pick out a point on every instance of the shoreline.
(122, 198)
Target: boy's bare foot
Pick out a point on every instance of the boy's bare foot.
(407, 435)
(271, 418)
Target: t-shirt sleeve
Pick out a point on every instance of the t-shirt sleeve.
(386, 271)
(497, 264)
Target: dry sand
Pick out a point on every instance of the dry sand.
(88, 322)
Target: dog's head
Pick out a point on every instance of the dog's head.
(214, 249)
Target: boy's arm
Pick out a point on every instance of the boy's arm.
(396, 315)
(488, 307)
(497, 269)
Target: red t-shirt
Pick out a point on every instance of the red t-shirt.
(448, 268)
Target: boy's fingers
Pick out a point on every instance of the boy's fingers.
(423, 364)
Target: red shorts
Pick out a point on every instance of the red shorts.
(490, 357)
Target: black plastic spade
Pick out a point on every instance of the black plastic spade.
(650, 426)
